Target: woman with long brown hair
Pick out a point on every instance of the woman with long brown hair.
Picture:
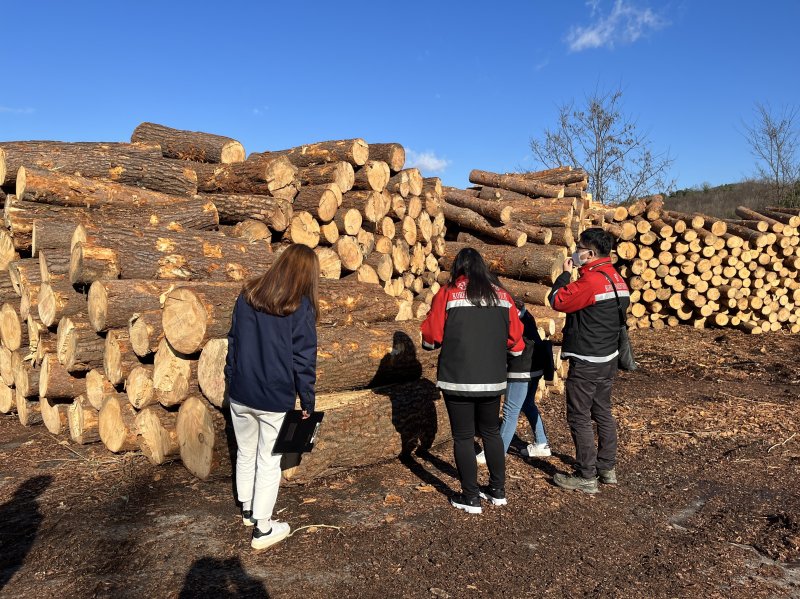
(272, 360)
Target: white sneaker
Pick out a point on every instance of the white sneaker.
(536, 450)
(481, 458)
(247, 518)
(276, 534)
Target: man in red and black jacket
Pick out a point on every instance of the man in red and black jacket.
(591, 339)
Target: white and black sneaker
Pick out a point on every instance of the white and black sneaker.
(494, 496)
(471, 505)
(247, 518)
(277, 533)
(536, 450)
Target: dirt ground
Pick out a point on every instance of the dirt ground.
(708, 505)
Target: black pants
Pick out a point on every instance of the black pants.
(467, 414)
(588, 388)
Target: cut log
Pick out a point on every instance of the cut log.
(488, 209)
(475, 222)
(58, 299)
(111, 303)
(98, 388)
(373, 176)
(158, 435)
(26, 376)
(192, 316)
(54, 416)
(28, 411)
(259, 176)
(139, 387)
(189, 145)
(79, 347)
(128, 164)
(516, 183)
(117, 425)
(329, 233)
(340, 173)
(8, 404)
(54, 264)
(320, 200)
(84, 421)
(13, 331)
(382, 264)
(330, 267)
(55, 382)
(138, 254)
(174, 375)
(145, 332)
(234, 208)
(251, 231)
(6, 365)
(349, 252)
(384, 423)
(201, 437)
(353, 151)
(372, 205)
(538, 263)
(544, 235)
(211, 371)
(367, 274)
(398, 185)
(303, 229)
(392, 154)
(119, 359)
(530, 293)
(348, 221)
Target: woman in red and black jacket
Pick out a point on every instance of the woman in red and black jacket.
(475, 322)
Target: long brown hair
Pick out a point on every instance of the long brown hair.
(280, 290)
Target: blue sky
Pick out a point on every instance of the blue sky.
(461, 85)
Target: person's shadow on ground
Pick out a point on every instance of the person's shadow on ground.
(221, 579)
(20, 519)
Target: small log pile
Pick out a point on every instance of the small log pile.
(704, 271)
(120, 264)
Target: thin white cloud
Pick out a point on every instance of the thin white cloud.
(11, 110)
(427, 162)
(625, 24)
(541, 64)
(258, 111)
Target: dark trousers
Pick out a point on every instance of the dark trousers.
(588, 389)
(466, 415)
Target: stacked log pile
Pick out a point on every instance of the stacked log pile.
(121, 264)
(708, 272)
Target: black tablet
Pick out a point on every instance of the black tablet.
(297, 435)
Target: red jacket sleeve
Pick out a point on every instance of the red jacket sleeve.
(433, 326)
(571, 297)
(516, 344)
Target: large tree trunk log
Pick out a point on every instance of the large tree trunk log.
(530, 293)
(353, 151)
(202, 437)
(373, 176)
(128, 164)
(119, 358)
(118, 429)
(535, 233)
(80, 348)
(251, 231)
(54, 415)
(372, 205)
(189, 145)
(84, 421)
(368, 356)
(475, 222)
(51, 187)
(259, 176)
(174, 375)
(29, 412)
(56, 383)
(98, 388)
(112, 303)
(367, 427)
(234, 208)
(211, 370)
(348, 221)
(140, 254)
(54, 264)
(516, 183)
(538, 263)
(320, 200)
(303, 229)
(559, 176)
(349, 252)
(13, 331)
(493, 210)
(139, 387)
(52, 234)
(146, 332)
(340, 173)
(158, 435)
(26, 376)
(58, 299)
(391, 153)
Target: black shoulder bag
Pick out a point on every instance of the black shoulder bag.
(625, 360)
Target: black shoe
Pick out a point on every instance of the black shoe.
(471, 505)
(495, 496)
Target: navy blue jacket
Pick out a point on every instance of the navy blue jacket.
(272, 359)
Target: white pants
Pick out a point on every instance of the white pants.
(258, 471)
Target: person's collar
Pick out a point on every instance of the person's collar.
(595, 263)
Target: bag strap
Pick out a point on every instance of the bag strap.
(622, 321)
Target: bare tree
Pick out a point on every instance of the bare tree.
(609, 146)
(773, 138)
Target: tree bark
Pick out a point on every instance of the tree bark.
(475, 222)
(235, 208)
(530, 293)
(537, 234)
(56, 383)
(54, 265)
(189, 145)
(258, 176)
(80, 349)
(340, 173)
(494, 210)
(516, 183)
(368, 427)
(353, 151)
(537, 263)
(127, 164)
(58, 299)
